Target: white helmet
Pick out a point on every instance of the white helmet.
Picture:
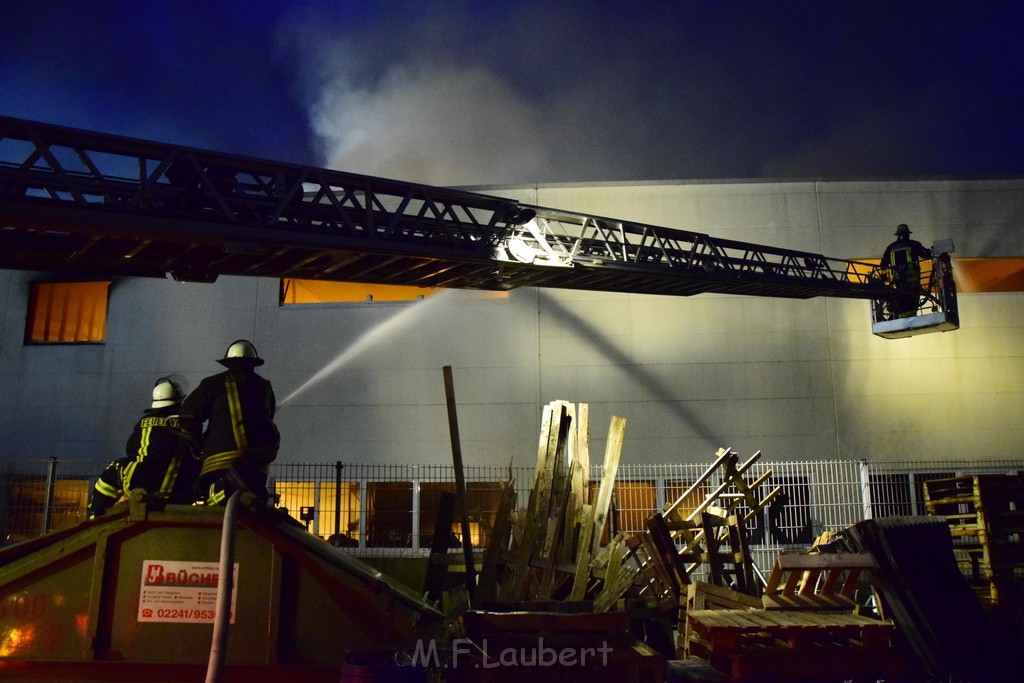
(241, 351)
(166, 392)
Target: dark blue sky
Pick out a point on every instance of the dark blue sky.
(505, 92)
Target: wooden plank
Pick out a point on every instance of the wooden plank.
(744, 573)
(582, 578)
(583, 449)
(580, 481)
(551, 550)
(460, 483)
(715, 568)
(616, 553)
(487, 589)
(590, 537)
(535, 521)
(662, 539)
(560, 479)
(788, 561)
(437, 570)
(722, 454)
(704, 595)
(613, 450)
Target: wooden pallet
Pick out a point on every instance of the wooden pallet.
(658, 563)
(714, 533)
(985, 514)
(824, 581)
(790, 645)
(702, 595)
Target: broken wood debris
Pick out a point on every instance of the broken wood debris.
(556, 550)
(557, 535)
(804, 624)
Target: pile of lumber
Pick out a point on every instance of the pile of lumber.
(552, 550)
(555, 540)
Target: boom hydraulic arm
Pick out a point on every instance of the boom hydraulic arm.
(88, 202)
(96, 205)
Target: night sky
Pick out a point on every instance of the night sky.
(457, 93)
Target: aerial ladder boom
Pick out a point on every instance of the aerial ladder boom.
(87, 203)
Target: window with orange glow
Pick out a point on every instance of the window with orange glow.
(632, 503)
(389, 514)
(674, 490)
(861, 271)
(28, 506)
(482, 500)
(635, 502)
(321, 496)
(989, 274)
(67, 312)
(297, 291)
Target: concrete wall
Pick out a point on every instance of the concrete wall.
(795, 379)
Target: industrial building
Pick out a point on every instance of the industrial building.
(795, 378)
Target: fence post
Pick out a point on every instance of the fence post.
(364, 498)
(338, 467)
(865, 488)
(415, 478)
(51, 482)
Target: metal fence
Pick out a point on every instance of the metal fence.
(380, 510)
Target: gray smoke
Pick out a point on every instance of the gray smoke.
(440, 125)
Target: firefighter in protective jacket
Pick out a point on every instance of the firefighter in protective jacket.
(901, 262)
(240, 438)
(161, 457)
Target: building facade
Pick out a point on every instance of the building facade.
(359, 380)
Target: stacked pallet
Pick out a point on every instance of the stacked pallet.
(803, 628)
(762, 645)
(985, 514)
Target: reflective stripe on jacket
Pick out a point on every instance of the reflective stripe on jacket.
(237, 407)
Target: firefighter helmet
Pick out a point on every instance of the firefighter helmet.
(166, 392)
(902, 229)
(241, 352)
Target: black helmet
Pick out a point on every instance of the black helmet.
(902, 229)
